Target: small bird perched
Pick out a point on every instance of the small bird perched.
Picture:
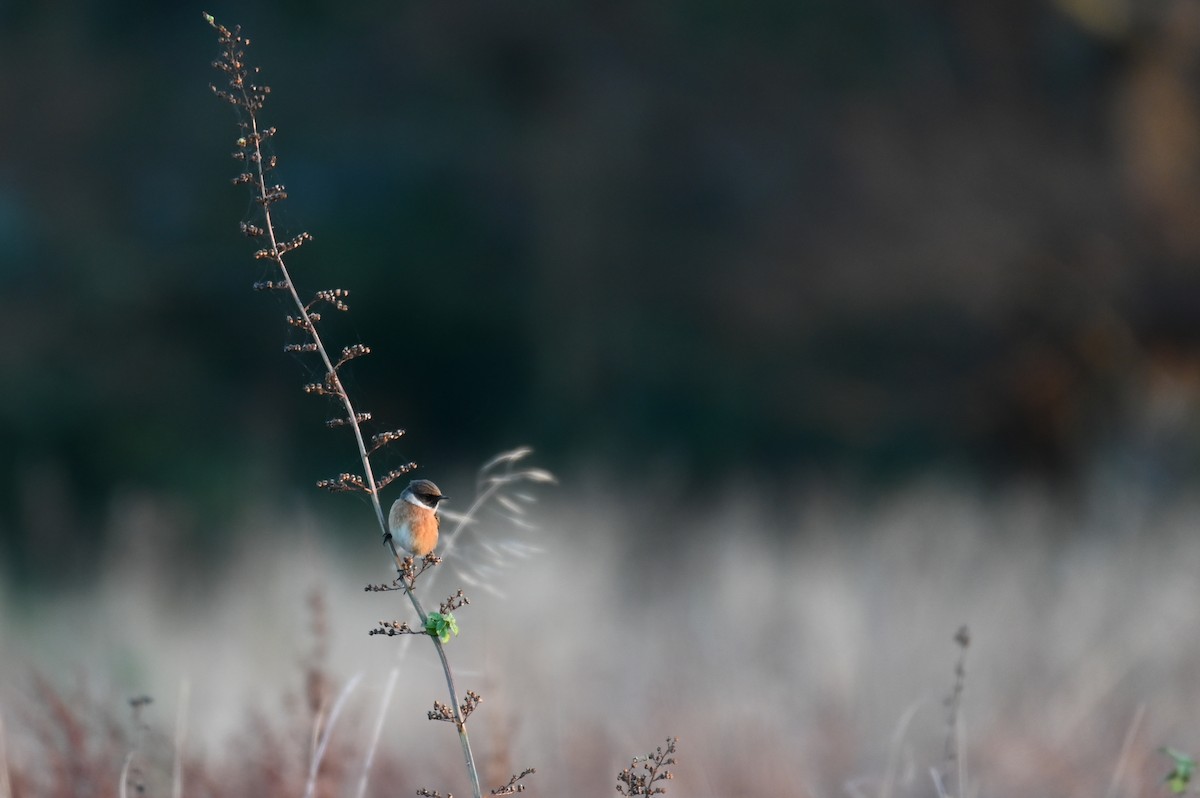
(413, 519)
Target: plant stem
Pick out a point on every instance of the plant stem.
(336, 384)
(372, 491)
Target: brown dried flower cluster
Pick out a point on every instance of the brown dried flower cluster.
(644, 772)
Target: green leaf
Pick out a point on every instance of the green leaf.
(1181, 774)
(441, 626)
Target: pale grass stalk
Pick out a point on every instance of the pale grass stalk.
(937, 783)
(853, 787)
(889, 779)
(180, 739)
(5, 781)
(960, 746)
(960, 728)
(1118, 775)
(377, 732)
(314, 741)
(122, 790)
(323, 730)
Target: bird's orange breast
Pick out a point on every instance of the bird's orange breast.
(414, 529)
(424, 533)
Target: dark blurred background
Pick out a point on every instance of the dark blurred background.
(683, 242)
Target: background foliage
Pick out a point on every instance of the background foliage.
(679, 241)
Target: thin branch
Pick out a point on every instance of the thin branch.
(251, 97)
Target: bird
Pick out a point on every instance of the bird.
(413, 519)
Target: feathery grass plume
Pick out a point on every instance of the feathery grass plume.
(500, 490)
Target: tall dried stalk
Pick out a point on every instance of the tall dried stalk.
(248, 98)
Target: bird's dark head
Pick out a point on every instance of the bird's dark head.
(424, 492)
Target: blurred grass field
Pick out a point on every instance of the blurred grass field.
(807, 655)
